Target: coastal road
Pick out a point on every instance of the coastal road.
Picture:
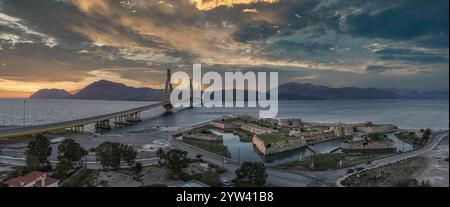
(14, 161)
(294, 178)
(276, 177)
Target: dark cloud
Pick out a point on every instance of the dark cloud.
(378, 68)
(402, 19)
(410, 55)
(75, 37)
(313, 47)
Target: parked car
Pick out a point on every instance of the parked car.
(351, 170)
(57, 140)
(226, 183)
(372, 163)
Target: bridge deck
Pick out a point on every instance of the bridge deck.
(32, 130)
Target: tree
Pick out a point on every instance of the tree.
(253, 174)
(211, 179)
(63, 167)
(138, 167)
(71, 150)
(128, 154)
(37, 153)
(109, 154)
(175, 160)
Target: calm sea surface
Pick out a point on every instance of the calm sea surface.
(404, 113)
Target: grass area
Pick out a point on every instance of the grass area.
(265, 125)
(332, 161)
(399, 174)
(85, 178)
(211, 127)
(216, 148)
(276, 137)
(371, 138)
(209, 178)
(203, 130)
(411, 138)
(243, 135)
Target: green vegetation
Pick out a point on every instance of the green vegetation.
(243, 135)
(394, 175)
(71, 151)
(371, 138)
(410, 138)
(134, 172)
(84, 178)
(18, 171)
(37, 154)
(251, 175)
(276, 137)
(174, 160)
(128, 154)
(413, 139)
(331, 161)
(63, 168)
(110, 154)
(209, 178)
(213, 147)
(203, 129)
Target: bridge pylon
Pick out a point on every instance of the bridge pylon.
(191, 99)
(167, 91)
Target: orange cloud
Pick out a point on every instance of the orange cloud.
(89, 6)
(212, 4)
(14, 94)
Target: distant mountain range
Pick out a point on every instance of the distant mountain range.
(107, 90)
(298, 91)
(103, 90)
(51, 93)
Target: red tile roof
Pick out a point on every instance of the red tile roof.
(48, 181)
(30, 178)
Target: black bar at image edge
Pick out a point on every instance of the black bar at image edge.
(230, 197)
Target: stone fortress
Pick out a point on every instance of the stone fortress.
(271, 136)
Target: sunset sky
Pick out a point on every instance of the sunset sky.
(70, 43)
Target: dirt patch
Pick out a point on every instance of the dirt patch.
(149, 176)
(428, 170)
(394, 175)
(437, 170)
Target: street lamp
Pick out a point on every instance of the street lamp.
(239, 154)
(24, 109)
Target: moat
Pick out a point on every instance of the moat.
(240, 146)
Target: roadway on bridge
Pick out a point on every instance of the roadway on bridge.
(32, 130)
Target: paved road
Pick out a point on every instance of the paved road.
(25, 131)
(293, 178)
(90, 164)
(277, 178)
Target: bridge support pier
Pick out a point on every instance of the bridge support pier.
(103, 125)
(167, 91)
(79, 128)
(120, 121)
(133, 118)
